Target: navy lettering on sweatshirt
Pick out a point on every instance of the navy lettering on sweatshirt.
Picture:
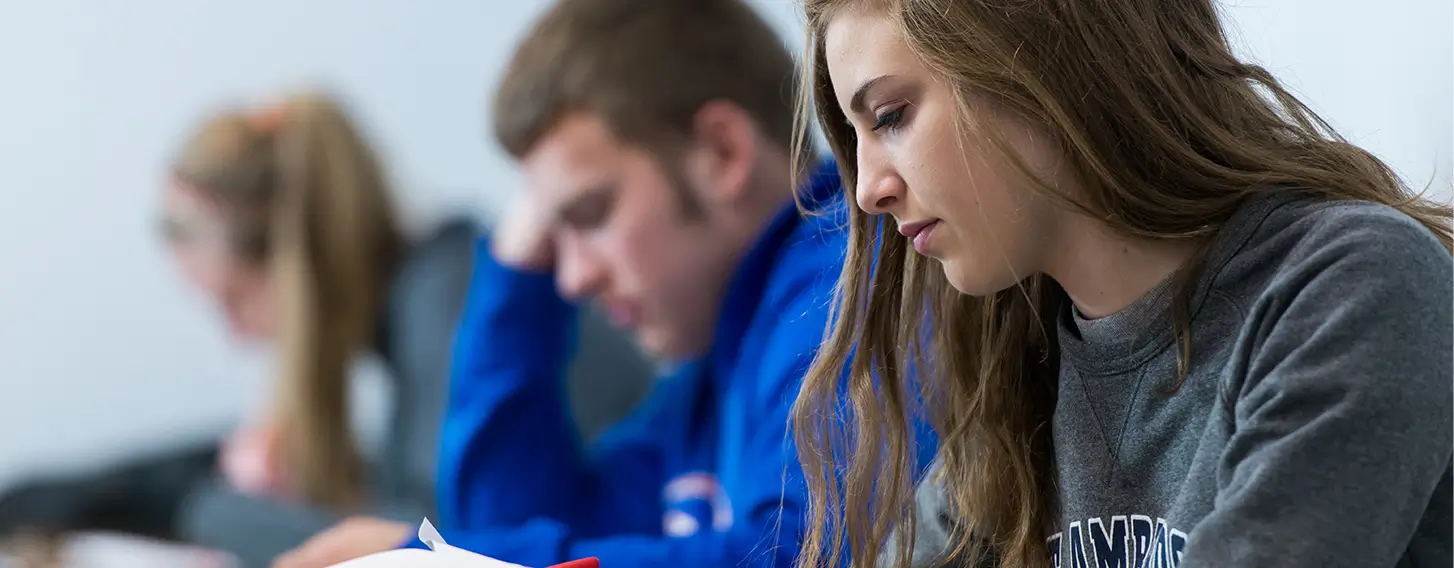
(1116, 543)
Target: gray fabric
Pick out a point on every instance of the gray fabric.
(424, 302)
(252, 529)
(935, 529)
(1313, 428)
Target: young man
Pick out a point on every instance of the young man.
(654, 137)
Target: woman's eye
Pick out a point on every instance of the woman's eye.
(889, 119)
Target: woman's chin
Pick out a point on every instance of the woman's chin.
(974, 282)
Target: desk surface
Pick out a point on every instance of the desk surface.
(94, 550)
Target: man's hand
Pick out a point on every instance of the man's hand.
(521, 240)
(350, 539)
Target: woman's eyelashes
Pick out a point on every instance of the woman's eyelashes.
(891, 119)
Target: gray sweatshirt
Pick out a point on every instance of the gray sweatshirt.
(1313, 428)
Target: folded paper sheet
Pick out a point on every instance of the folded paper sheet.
(440, 555)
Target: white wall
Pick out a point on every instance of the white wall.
(102, 349)
(1381, 72)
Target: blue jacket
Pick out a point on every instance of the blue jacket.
(702, 474)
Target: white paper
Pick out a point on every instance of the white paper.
(440, 555)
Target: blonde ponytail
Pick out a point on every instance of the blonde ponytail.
(329, 240)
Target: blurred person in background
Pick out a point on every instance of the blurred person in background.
(282, 217)
(656, 141)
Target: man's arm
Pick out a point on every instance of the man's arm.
(1342, 418)
(509, 448)
(764, 485)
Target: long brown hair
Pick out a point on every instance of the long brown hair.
(1168, 133)
(306, 198)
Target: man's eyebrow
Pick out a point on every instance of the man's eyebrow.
(583, 199)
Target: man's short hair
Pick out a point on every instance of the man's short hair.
(645, 67)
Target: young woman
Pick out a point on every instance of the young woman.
(1173, 319)
(283, 217)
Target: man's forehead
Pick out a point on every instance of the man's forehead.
(574, 158)
(558, 188)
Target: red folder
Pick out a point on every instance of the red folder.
(582, 563)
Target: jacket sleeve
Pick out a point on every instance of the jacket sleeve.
(765, 483)
(509, 447)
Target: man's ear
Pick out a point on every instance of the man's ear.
(724, 152)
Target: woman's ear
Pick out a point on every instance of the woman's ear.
(724, 152)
